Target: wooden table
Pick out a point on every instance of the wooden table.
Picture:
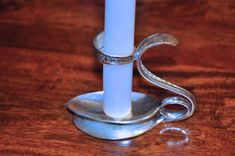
(47, 58)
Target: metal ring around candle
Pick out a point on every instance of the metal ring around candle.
(187, 100)
(110, 59)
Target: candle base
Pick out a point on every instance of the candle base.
(146, 113)
(114, 115)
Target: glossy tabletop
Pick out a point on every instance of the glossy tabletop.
(47, 57)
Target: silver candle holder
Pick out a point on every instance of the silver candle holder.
(147, 112)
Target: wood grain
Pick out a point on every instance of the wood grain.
(47, 58)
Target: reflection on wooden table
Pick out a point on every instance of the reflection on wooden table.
(47, 57)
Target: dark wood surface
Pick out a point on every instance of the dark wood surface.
(46, 58)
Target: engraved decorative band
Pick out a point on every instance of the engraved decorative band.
(110, 59)
(151, 41)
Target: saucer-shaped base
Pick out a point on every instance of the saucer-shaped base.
(110, 131)
(90, 105)
(90, 118)
(146, 113)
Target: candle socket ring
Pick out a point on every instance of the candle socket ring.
(147, 111)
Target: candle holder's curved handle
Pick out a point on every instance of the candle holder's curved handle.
(187, 100)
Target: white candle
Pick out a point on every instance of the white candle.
(119, 40)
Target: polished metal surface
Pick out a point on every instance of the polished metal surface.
(144, 107)
(146, 113)
(146, 44)
(110, 59)
(111, 131)
(90, 106)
